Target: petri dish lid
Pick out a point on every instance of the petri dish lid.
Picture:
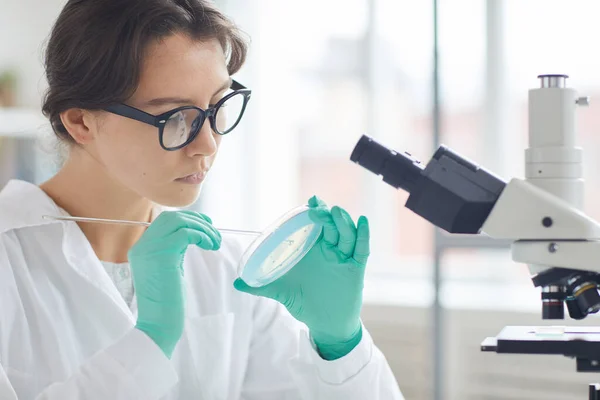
(279, 248)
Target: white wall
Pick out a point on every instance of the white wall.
(24, 26)
(254, 179)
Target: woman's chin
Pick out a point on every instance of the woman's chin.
(181, 196)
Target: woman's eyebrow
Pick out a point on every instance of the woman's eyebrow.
(168, 100)
(160, 101)
(224, 86)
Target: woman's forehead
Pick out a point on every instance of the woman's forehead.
(179, 65)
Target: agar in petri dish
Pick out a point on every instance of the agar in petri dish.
(279, 248)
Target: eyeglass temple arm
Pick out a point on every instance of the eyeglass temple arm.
(131, 112)
(235, 85)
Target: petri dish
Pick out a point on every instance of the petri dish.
(279, 247)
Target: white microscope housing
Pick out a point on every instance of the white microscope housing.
(542, 214)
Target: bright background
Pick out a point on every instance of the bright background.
(325, 72)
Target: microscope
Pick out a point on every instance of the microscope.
(541, 215)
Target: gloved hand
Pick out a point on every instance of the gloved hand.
(324, 290)
(157, 269)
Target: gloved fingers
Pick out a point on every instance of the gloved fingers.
(362, 249)
(191, 228)
(170, 221)
(316, 202)
(166, 222)
(201, 239)
(347, 231)
(196, 221)
(320, 213)
(323, 216)
(174, 233)
(197, 214)
(242, 286)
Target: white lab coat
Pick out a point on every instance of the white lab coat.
(66, 333)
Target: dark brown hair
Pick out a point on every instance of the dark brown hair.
(96, 48)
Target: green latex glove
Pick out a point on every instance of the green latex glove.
(324, 290)
(157, 269)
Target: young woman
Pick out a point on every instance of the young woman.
(141, 93)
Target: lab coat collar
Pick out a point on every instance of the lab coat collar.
(22, 204)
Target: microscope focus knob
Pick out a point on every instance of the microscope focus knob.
(583, 101)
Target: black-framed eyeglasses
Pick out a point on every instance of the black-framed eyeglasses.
(180, 126)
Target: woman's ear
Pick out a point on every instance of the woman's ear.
(80, 124)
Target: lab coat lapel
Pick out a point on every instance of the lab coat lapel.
(83, 260)
(23, 204)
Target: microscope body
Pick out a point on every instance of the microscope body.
(542, 213)
(553, 235)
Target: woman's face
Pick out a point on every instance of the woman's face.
(177, 72)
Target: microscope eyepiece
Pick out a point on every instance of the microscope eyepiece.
(401, 170)
(451, 192)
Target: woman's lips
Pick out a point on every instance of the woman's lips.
(193, 179)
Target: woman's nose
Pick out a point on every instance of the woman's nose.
(204, 143)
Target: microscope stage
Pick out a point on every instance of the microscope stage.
(580, 342)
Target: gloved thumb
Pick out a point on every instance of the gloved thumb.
(242, 286)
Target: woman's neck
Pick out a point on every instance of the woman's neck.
(83, 189)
